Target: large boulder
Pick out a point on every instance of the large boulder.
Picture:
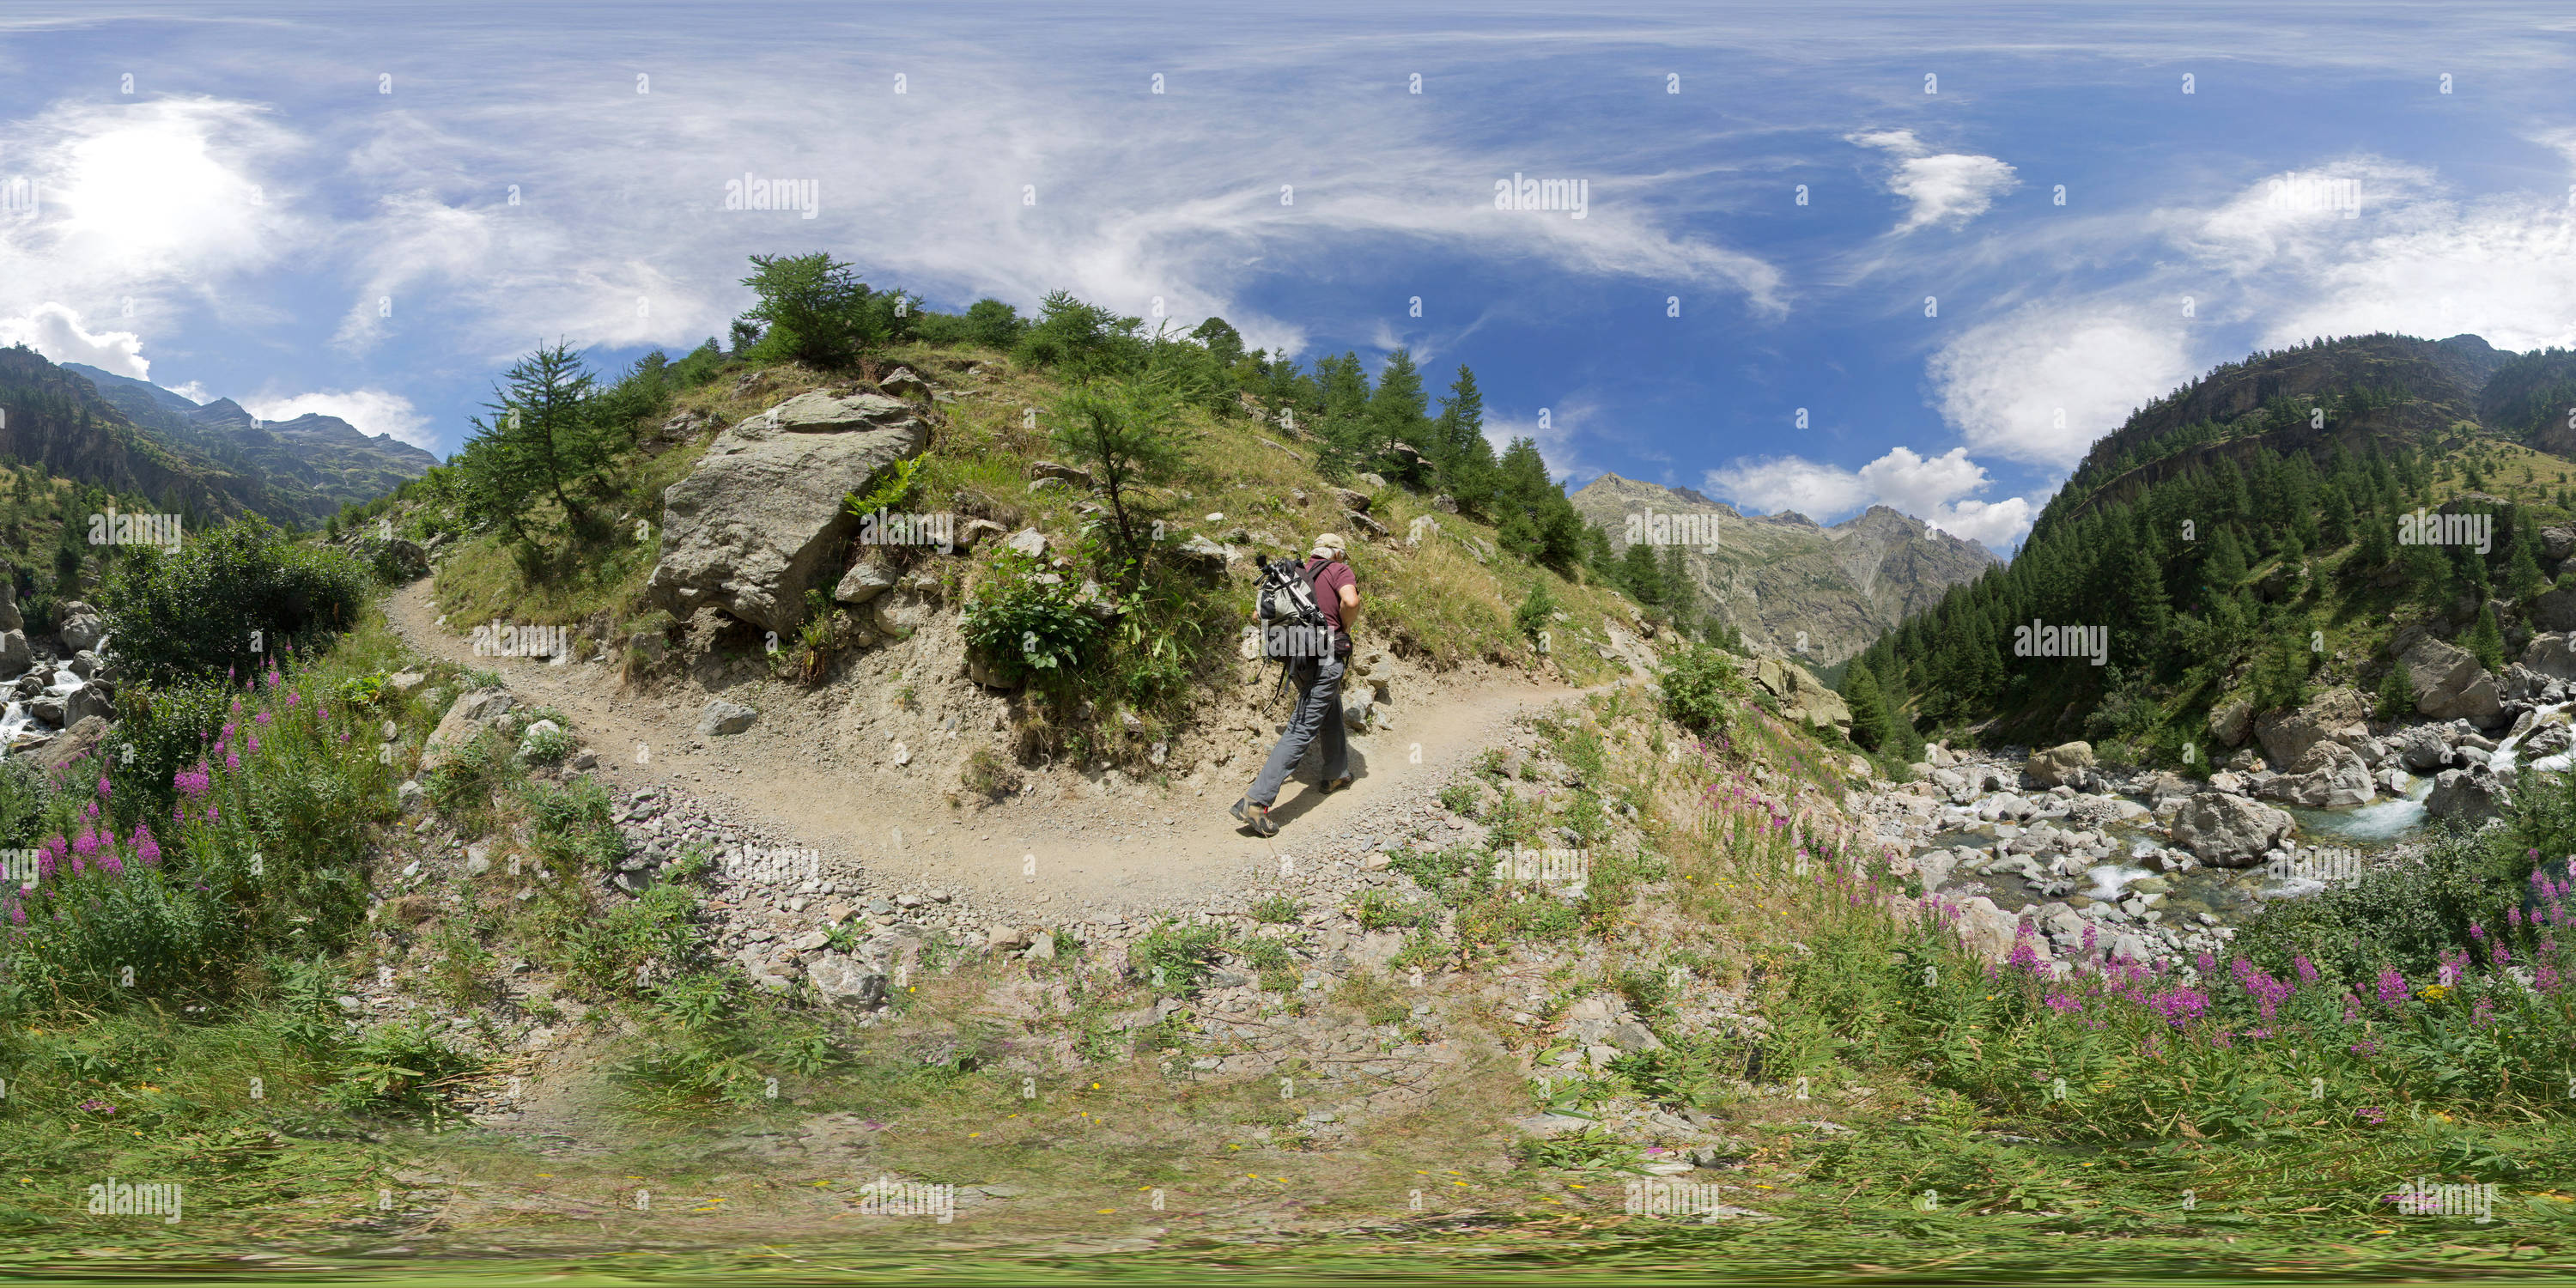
(15, 655)
(2338, 713)
(757, 523)
(2229, 722)
(86, 701)
(2450, 683)
(2475, 794)
(466, 719)
(10, 618)
(83, 738)
(2557, 542)
(2229, 831)
(2055, 765)
(2328, 776)
(2553, 654)
(2555, 609)
(1801, 695)
(2422, 748)
(81, 627)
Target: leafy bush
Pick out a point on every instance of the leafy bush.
(1023, 626)
(193, 614)
(548, 747)
(1536, 609)
(1176, 959)
(1703, 689)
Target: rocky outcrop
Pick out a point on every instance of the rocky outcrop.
(2229, 722)
(2450, 683)
(2228, 831)
(2552, 654)
(760, 519)
(466, 719)
(1802, 696)
(81, 627)
(2474, 794)
(2422, 748)
(2338, 713)
(2057, 764)
(2328, 776)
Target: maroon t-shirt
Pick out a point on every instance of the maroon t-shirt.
(1329, 581)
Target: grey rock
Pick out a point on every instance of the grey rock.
(750, 528)
(2334, 714)
(2450, 683)
(81, 627)
(721, 718)
(86, 701)
(1030, 542)
(2229, 722)
(2054, 766)
(2227, 830)
(2473, 794)
(870, 577)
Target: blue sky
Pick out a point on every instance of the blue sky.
(309, 210)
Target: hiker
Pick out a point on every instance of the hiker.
(1317, 675)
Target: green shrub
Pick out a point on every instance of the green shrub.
(198, 613)
(548, 747)
(1176, 959)
(1023, 627)
(1703, 690)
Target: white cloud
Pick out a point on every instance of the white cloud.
(372, 411)
(2040, 384)
(1936, 489)
(55, 331)
(1945, 188)
(193, 391)
(2412, 257)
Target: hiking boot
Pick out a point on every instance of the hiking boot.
(1256, 817)
(1336, 784)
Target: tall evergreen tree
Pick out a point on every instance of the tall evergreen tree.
(1465, 459)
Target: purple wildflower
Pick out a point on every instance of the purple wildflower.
(2371, 1116)
(146, 847)
(2392, 987)
(2307, 969)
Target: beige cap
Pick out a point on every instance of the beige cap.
(1327, 545)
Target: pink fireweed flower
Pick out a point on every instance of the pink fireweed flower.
(2063, 1004)
(147, 848)
(2370, 1116)
(2392, 987)
(110, 864)
(292, 697)
(103, 789)
(17, 915)
(232, 761)
(264, 717)
(2513, 915)
(86, 844)
(2477, 931)
(2482, 1012)
(253, 740)
(2306, 969)
(2179, 1005)
(2205, 962)
(2545, 979)
(213, 814)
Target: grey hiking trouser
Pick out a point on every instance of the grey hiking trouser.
(1318, 713)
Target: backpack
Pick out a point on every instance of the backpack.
(1292, 627)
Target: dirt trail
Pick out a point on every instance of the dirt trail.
(1130, 847)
